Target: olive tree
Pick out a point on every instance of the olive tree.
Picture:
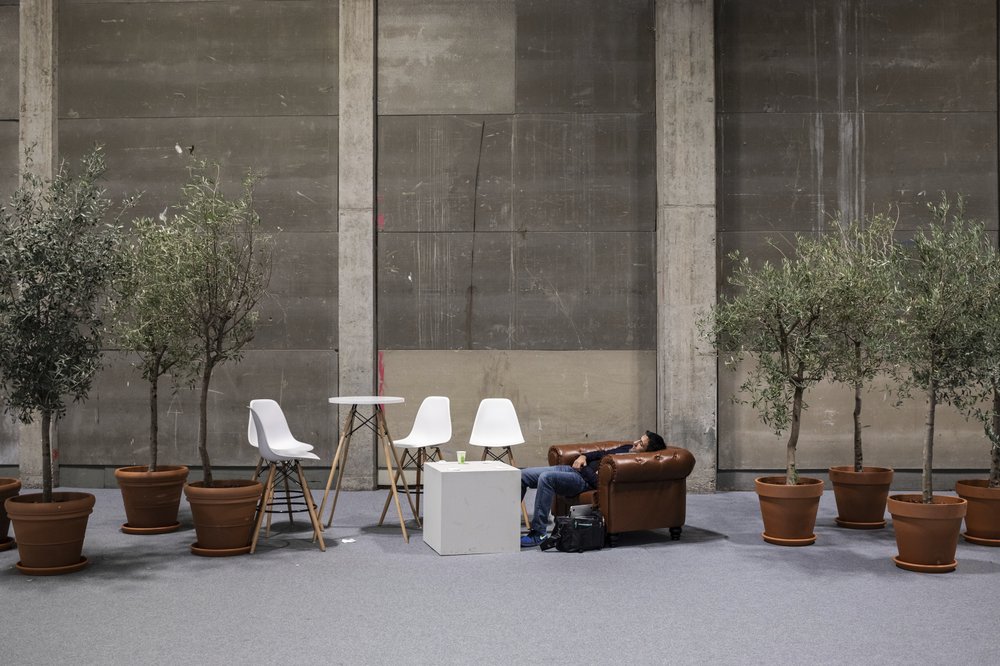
(940, 336)
(227, 261)
(774, 317)
(57, 257)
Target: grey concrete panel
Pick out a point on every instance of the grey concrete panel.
(9, 49)
(445, 56)
(787, 55)
(910, 157)
(112, 427)
(445, 173)
(929, 56)
(298, 313)
(9, 179)
(584, 56)
(198, 59)
(585, 172)
(564, 291)
(560, 396)
(781, 172)
(759, 246)
(297, 155)
(424, 286)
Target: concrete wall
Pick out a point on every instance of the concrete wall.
(516, 213)
(9, 46)
(827, 106)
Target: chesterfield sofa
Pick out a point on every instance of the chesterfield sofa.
(635, 491)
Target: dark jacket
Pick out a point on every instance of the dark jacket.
(589, 471)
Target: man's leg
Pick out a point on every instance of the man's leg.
(529, 478)
(556, 480)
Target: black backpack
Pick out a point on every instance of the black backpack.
(575, 535)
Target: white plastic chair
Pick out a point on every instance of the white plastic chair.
(283, 454)
(431, 429)
(271, 413)
(497, 427)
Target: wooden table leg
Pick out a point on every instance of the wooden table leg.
(339, 457)
(384, 432)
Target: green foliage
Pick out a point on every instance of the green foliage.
(860, 264)
(775, 318)
(152, 291)
(941, 335)
(228, 261)
(57, 256)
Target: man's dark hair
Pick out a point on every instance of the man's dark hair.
(656, 442)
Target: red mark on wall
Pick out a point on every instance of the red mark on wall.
(381, 373)
(380, 221)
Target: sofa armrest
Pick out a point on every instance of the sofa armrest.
(565, 454)
(666, 464)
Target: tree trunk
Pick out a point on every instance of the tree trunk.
(928, 481)
(859, 462)
(46, 456)
(153, 422)
(206, 378)
(791, 471)
(995, 448)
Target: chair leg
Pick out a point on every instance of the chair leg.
(524, 509)
(675, 533)
(262, 507)
(313, 517)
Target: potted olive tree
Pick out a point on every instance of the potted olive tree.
(860, 263)
(228, 261)
(58, 257)
(940, 339)
(774, 318)
(982, 519)
(145, 304)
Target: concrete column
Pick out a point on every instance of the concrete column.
(356, 233)
(37, 122)
(685, 232)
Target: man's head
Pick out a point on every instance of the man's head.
(650, 441)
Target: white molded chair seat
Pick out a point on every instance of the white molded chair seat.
(431, 429)
(282, 463)
(497, 427)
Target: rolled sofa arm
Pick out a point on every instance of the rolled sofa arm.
(670, 463)
(565, 454)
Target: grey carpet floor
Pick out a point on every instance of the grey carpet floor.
(719, 595)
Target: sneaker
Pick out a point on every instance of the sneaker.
(531, 540)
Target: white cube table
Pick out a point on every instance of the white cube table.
(472, 507)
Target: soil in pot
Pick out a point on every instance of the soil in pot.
(8, 488)
(151, 498)
(861, 496)
(789, 512)
(982, 519)
(50, 534)
(926, 534)
(223, 516)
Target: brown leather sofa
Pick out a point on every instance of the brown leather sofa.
(635, 491)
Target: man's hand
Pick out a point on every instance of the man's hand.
(580, 462)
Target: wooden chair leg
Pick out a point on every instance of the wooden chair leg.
(262, 508)
(313, 517)
(524, 509)
(288, 494)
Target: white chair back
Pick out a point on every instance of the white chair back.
(274, 422)
(496, 424)
(262, 443)
(432, 425)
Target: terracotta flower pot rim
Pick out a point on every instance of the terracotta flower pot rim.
(775, 486)
(7, 483)
(23, 502)
(944, 507)
(870, 476)
(161, 470)
(976, 488)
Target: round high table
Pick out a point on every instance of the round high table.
(377, 424)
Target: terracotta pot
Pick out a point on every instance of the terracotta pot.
(860, 496)
(982, 520)
(50, 534)
(151, 498)
(789, 512)
(926, 534)
(8, 488)
(223, 516)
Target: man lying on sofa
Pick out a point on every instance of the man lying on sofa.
(571, 480)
